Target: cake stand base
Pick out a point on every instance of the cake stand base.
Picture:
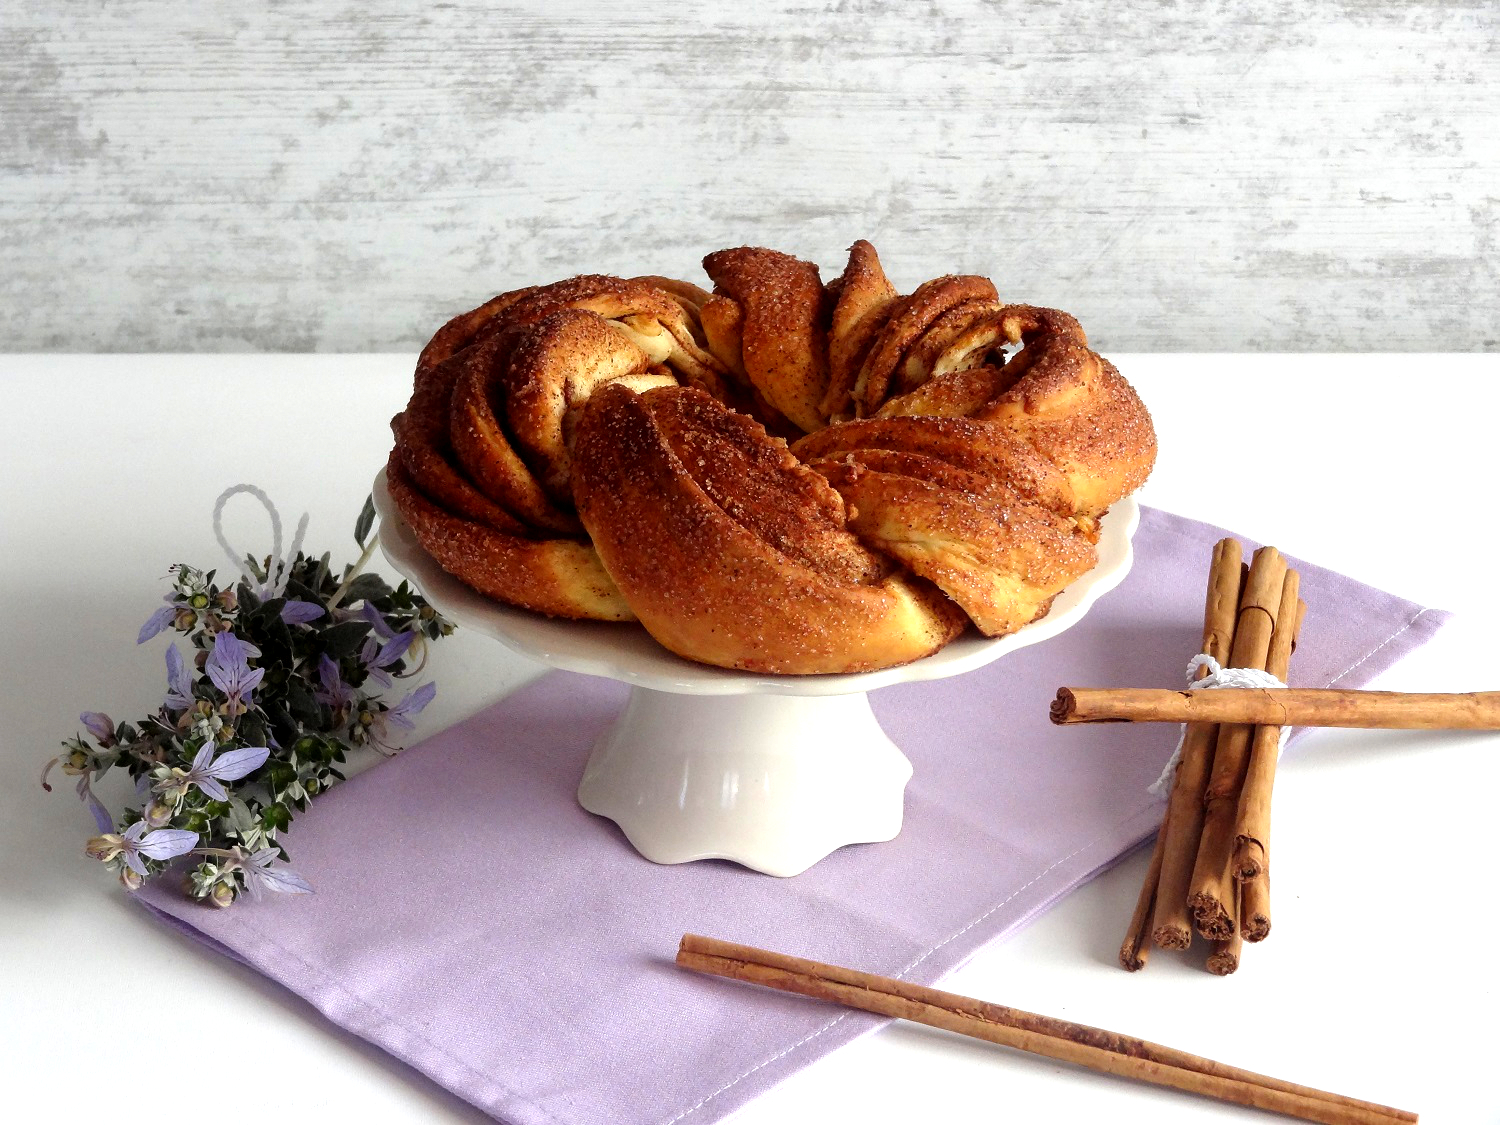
(773, 782)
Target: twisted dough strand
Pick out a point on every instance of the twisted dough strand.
(607, 447)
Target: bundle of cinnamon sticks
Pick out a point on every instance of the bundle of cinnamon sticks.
(1210, 870)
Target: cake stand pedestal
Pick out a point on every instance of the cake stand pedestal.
(772, 772)
(774, 782)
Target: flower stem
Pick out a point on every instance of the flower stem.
(359, 565)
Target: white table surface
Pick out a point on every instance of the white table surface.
(1378, 981)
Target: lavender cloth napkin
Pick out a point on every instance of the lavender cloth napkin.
(473, 921)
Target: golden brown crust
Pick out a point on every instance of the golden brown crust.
(912, 317)
(691, 297)
(953, 394)
(865, 300)
(959, 340)
(462, 330)
(558, 577)
(752, 570)
(1057, 395)
(723, 323)
(1000, 557)
(659, 409)
(783, 335)
(1075, 408)
(552, 371)
(423, 443)
(984, 448)
(484, 449)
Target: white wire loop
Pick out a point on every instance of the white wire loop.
(279, 568)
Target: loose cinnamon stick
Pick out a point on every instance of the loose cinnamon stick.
(1252, 822)
(1210, 895)
(1289, 707)
(1085, 1046)
(1182, 823)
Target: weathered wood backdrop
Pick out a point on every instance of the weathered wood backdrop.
(314, 175)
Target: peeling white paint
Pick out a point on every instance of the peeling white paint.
(317, 176)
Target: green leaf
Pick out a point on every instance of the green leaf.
(283, 725)
(304, 589)
(277, 817)
(365, 522)
(301, 704)
(367, 587)
(344, 639)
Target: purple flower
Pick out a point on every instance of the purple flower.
(179, 681)
(377, 621)
(299, 613)
(229, 669)
(101, 726)
(102, 818)
(399, 715)
(135, 841)
(157, 621)
(261, 876)
(378, 659)
(335, 693)
(207, 771)
(413, 703)
(158, 815)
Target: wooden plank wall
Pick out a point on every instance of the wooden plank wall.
(315, 175)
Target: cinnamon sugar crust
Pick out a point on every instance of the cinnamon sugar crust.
(784, 333)
(425, 449)
(912, 317)
(602, 447)
(558, 577)
(711, 566)
(864, 301)
(464, 328)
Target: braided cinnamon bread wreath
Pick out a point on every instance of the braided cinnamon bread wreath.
(781, 476)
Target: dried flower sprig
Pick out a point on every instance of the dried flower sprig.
(286, 669)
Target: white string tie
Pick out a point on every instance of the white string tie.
(279, 568)
(1218, 676)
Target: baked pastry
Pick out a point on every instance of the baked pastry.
(782, 475)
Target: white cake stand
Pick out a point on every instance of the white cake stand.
(772, 772)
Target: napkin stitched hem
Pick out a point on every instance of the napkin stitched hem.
(1383, 644)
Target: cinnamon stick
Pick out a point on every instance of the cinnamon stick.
(1255, 906)
(1210, 895)
(1081, 1045)
(1252, 822)
(1182, 823)
(1135, 950)
(1225, 958)
(1290, 707)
